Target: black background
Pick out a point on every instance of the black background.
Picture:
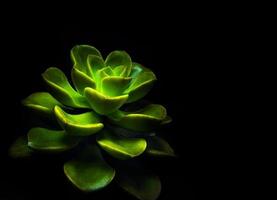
(184, 52)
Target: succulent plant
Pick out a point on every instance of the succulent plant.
(99, 117)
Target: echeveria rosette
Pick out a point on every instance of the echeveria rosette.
(102, 85)
(89, 115)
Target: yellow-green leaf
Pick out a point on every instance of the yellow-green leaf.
(78, 124)
(60, 88)
(146, 119)
(103, 104)
(81, 80)
(42, 103)
(79, 55)
(121, 147)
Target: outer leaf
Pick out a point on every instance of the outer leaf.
(166, 120)
(139, 183)
(41, 102)
(50, 140)
(137, 69)
(121, 147)
(114, 85)
(89, 172)
(95, 63)
(146, 119)
(20, 149)
(81, 80)
(79, 125)
(157, 146)
(62, 90)
(103, 104)
(79, 56)
(140, 86)
(117, 58)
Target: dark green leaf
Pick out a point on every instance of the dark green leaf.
(89, 172)
(157, 146)
(20, 149)
(50, 140)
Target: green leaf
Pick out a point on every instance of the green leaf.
(89, 172)
(81, 80)
(42, 103)
(137, 69)
(146, 119)
(157, 146)
(115, 85)
(166, 120)
(95, 63)
(50, 140)
(20, 149)
(119, 70)
(79, 55)
(117, 58)
(138, 182)
(121, 147)
(61, 89)
(127, 132)
(140, 86)
(103, 104)
(78, 125)
(101, 74)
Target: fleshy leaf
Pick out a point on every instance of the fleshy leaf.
(117, 58)
(101, 74)
(146, 119)
(81, 80)
(138, 182)
(79, 55)
(121, 147)
(157, 146)
(103, 104)
(140, 86)
(119, 70)
(78, 124)
(115, 85)
(166, 120)
(127, 132)
(50, 140)
(41, 102)
(61, 89)
(95, 63)
(89, 172)
(137, 69)
(20, 149)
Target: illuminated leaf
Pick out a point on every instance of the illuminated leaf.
(61, 89)
(41, 102)
(79, 56)
(104, 104)
(81, 80)
(89, 172)
(121, 147)
(146, 119)
(78, 124)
